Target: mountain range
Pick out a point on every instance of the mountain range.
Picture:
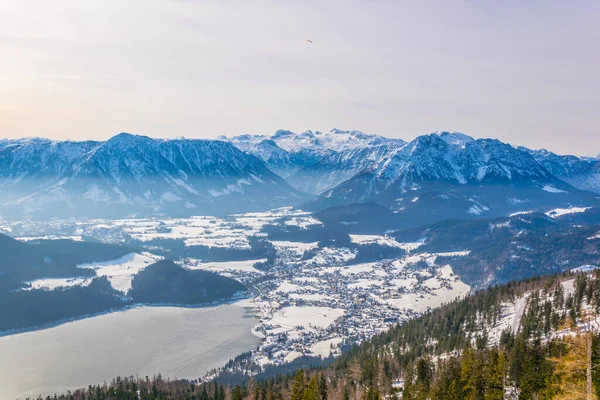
(135, 175)
(433, 177)
(314, 161)
(451, 175)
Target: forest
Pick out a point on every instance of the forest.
(167, 282)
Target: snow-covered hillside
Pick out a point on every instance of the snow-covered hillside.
(448, 174)
(581, 172)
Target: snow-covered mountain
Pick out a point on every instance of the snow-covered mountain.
(316, 161)
(435, 176)
(134, 175)
(448, 174)
(581, 172)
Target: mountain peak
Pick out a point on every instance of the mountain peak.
(353, 132)
(127, 136)
(282, 133)
(127, 139)
(456, 139)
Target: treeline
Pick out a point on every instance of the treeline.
(155, 388)
(27, 309)
(163, 282)
(25, 261)
(519, 369)
(176, 249)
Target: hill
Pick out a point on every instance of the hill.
(166, 282)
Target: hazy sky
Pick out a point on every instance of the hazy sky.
(526, 72)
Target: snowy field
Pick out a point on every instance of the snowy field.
(229, 267)
(305, 318)
(385, 241)
(552, 189)
(53, 283)
(120, 272)
(230, 231)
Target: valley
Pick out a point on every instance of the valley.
(328, 240)
(311, 200)
(302, 280)
(315, 289)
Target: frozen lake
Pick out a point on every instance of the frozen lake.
(176, 342)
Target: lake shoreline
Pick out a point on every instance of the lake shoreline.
(177, 342)
(233, 299)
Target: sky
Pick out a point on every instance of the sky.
(525, 72)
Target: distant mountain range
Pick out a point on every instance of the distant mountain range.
(135, 175)
(451, 175)
(435, 176)
(314, 161)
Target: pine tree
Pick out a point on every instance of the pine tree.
(237, 393)
(496, 375)
(537, 371)
(298, 386)
(322, 387)
(568, 380)
(424, 374)
(468, 374)
(311, 392)
(371, 394)
(270, 393)
(346, 393)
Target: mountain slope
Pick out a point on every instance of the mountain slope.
(445, 175)
(581, 172)
(516, 247)
(136, 175)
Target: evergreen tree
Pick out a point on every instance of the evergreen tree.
(237, 393)
(569, 379)
(311, 392)
(346, 393)
(496, 375)
(322, 387)
(298, 386)
(371, 394)
(536, 371)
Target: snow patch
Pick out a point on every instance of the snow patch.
(552, 189)
(558, 212)
(120, 272)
